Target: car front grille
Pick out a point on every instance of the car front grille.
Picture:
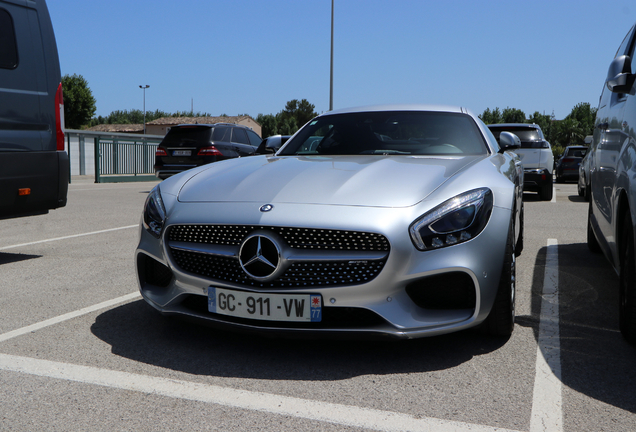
(336, 257)
(300, 238)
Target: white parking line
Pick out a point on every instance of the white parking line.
(68, 316)
(553, 200)
(242, 399)
(67, 237)
(547, 412)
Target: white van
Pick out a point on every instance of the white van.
(34, 168)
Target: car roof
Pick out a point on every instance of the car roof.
(210, 125)
(401, 107)
(517, 125)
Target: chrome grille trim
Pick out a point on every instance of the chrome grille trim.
(297, 238)
(312, 257)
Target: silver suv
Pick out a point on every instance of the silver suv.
(535, 154)
(612, 180)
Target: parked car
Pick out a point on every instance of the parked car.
(612, 183)
(567, 167)
(535, 154)
(584, 177)
(191, 145)
(34, 166)
(390, 221)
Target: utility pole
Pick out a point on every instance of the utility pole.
(331, 69)
(144, 89)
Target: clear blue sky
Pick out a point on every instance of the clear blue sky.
(252, 56)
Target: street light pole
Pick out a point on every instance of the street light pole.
(144, 89)
(331, 69)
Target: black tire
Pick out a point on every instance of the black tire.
(519, 243)
(627, 308)
(501, 320)
(592, 241)
(546, 192)
(587, 192)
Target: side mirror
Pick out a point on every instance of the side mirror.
(272, 144)
(619, 76)
(508, 141)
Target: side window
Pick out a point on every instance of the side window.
(623, 49)
(255, 140)
(221, 134)
(8, 48)
(239, 136)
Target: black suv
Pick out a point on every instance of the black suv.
(191, 145)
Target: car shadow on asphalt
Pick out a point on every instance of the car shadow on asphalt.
(7, 258)
(138, 332)
(595, 360)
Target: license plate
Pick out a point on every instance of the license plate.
(270, 307)
(182, 153)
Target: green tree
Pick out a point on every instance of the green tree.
(585, 115)
(79, 103)
(269, 125)
(286, 125)
(570, 132)
(543, 120)
(302, 111)
(513, 115)
(491, 117)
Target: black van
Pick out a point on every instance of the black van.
(34, 167)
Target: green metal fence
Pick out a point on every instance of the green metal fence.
(124, 159)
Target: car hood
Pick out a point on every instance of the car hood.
(377, 181)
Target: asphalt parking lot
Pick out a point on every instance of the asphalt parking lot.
(80, 350)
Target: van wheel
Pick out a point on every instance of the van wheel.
(546, 192)
(592, 242)
(501, 320)
(627, 310)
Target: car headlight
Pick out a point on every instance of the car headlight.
(455, 221)
(154, 212)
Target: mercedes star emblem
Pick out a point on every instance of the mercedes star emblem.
(259, 257)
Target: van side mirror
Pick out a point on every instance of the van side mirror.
(619, 76)
(508, 141)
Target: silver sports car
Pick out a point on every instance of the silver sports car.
(394, 221)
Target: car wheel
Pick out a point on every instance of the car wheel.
(627, 310)
(519, 244)
(592, 242)
(580, 190)
(501, 320)
(587, 191)
(546, 192)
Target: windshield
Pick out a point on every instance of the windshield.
(188, 135)
(389, 133)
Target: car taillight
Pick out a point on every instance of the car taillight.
(160, 152)
(59, 118)
(209, 151)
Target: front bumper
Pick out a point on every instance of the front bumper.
(394, 303)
